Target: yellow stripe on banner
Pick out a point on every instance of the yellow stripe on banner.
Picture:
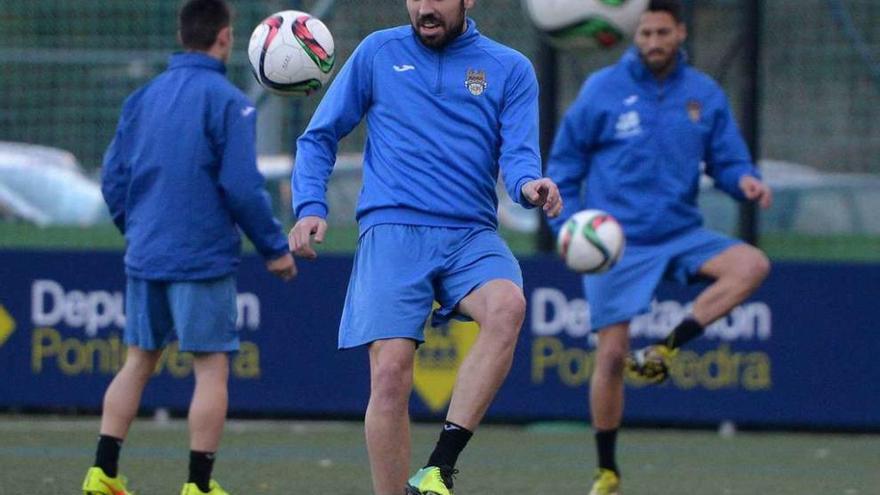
(438, 359)
(7, 325)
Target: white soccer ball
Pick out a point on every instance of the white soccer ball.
(572, 23)
(292, 53)
(591, 241)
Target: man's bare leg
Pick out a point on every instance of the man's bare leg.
(499, 308)
(123, 397)
(606, 396)
(207, 411)
(386, 423)
(606, 383)
(738, 272)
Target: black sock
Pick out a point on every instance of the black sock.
(606, 442)
(683, 333)
(200, 466)
(107, 455)
(452, 441)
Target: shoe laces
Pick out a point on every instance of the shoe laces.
(447, 474)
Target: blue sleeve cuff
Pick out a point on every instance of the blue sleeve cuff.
(314, 209)
(276, 253)
(729, 182)
(520, 198)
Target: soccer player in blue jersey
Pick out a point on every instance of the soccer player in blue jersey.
(180, 178)
(632, 144)
(446, 108)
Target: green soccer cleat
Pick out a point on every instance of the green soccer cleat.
(193, 489)
(606, 482)
(98, 483)
(431, 480)
(650, 363)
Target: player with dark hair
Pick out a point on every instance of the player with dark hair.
(180, 178)
(632, 144)
(446, 108)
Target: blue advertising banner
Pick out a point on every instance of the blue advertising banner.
(798, 353)
(795, 354)
(68, 314)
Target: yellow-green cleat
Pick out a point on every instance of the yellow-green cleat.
(606, 482)
(98, 483)
(193, 489)
(431, 480)
(650, 363)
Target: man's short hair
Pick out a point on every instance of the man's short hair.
(200, 21)
(673, 7)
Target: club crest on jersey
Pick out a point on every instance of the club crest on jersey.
(695, 110)
(476, 82)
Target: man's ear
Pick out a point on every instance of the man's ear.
(224, 37)
(682, 32)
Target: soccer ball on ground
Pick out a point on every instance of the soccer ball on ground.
(591, 241)
(572, 23)
(292, 53)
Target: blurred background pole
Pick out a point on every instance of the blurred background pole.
(750, 111)
(690, 22)
(548, 80)
(323, 10)
(296, 112)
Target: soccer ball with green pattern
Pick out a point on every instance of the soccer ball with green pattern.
(292, 53)
(591, 241)
(572, 23)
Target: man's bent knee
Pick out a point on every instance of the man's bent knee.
(746, 265)
(757, 268)
(211, 366)
(612, 349)
(391, 384)
(506, 308)
(141, 362)
(749, 270)
(610, 359)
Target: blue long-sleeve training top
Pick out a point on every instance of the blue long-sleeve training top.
(635, 147)
(181, 173)
(439, 124)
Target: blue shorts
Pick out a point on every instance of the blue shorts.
(400, 270)
(202, 314)
(626, 290)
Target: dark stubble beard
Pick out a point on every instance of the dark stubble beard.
(452, 32)
(661, 68)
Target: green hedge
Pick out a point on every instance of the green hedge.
(342, 240)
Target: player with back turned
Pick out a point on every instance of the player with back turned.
(180, 178)
(633, 144)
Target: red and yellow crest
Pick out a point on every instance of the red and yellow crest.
(476, 81)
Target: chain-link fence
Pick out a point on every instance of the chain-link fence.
(67, 65)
